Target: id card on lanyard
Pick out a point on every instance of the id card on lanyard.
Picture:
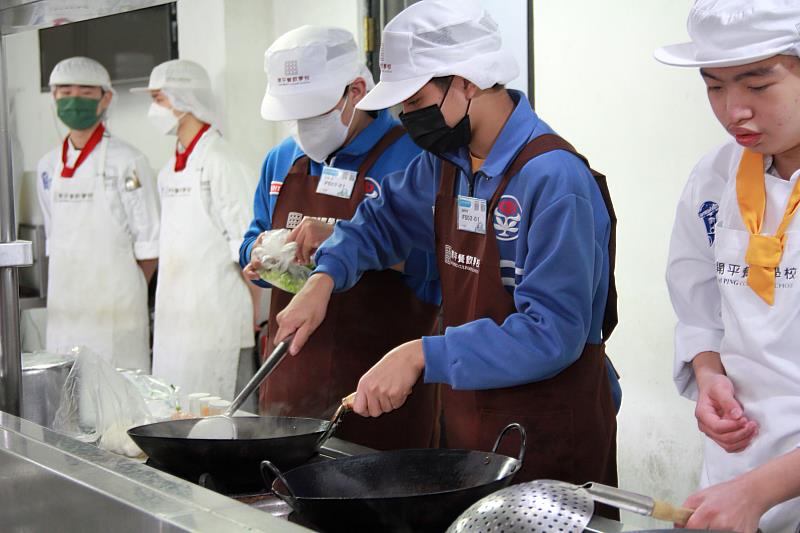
(337, 182)
(471, 214)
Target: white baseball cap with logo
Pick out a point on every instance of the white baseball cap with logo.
(308, 70)
(729, 33)
(436, 38)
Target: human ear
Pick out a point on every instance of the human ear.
(470, 89)
(358, 89)
(105, 101)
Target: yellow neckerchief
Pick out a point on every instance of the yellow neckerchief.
(764, 252)
(477, 162)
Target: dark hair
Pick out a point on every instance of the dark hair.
(442, 82)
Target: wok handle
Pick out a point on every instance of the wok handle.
(266, 369)
(523, 439)
(290, 498)
(666, 511)
(345, 407)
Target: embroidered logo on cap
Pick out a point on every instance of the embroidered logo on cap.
(372, 189)
(507, 216)
(291, 74)
(384, 66)
(708, 212)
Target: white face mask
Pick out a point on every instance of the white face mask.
(318, 137)
(163, 119)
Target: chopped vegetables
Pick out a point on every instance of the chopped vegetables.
(277, 258)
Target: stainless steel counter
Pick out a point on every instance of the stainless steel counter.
(52, 482)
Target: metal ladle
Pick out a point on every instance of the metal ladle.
(221, 427)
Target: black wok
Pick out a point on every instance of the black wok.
(232, 463)
(421, 490)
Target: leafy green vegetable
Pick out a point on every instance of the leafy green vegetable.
(284, 281)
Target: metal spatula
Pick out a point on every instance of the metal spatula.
(221, 427)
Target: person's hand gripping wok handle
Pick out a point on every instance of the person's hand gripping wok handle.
(305, 312)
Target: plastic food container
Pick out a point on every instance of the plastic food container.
(193, 402)
(217, 407)
(204, 404)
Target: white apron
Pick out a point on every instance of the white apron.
(201, 299)
(761, 355)
(97, 294)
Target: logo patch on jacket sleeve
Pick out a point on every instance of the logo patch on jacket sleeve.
(275, 187)
(507, 216)
(372, 189)
(708, 212)
(46, 181)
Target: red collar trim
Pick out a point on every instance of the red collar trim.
(181, 158)
(94, 140)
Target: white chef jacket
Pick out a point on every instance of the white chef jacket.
(759, 344)
(204, 312)
(99, 222)
(228, 187)
(135, 208)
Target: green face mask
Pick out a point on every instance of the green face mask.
(78, 113)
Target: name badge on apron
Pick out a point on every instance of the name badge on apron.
(337, 182)
(471, 214)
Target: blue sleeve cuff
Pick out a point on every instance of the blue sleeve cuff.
(245, 250)
(437, 365)
(261, 283)
(335, 269)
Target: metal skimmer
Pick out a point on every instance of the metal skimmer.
(538, 506)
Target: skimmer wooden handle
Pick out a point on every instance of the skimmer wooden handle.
(668, 512)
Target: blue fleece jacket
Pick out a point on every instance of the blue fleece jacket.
(552, 229)
(421, 274)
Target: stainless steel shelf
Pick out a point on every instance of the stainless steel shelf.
(51, 479)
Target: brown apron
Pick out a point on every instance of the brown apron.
(570, 418)
(362, 324)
